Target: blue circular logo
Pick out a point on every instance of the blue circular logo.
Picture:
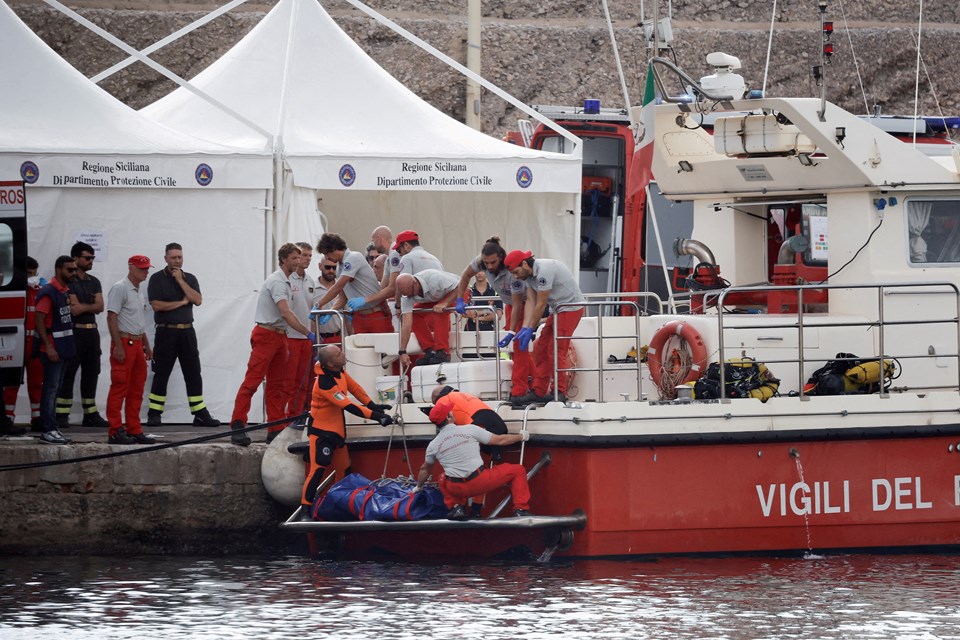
(395, 261)
(517, 285)
(29, 172)
(347, 175)
(346, 266)
(542, 281)
(203, 174)
(524, 177)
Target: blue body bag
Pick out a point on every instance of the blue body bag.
(357, 498)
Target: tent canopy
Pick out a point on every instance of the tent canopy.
(99, 171)
(376, 152)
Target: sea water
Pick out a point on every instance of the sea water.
(142, 598)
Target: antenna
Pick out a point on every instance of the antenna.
(826, 51)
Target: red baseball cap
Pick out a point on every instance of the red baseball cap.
(440, 412)
(140, 262)
(515, 257)
(405, 236)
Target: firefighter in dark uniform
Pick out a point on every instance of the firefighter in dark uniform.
(173, 293)
(327, 432)
(86, 301)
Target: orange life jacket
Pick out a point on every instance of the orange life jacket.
(330, 399)
(464, 406)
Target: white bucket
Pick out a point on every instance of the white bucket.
(388, 389)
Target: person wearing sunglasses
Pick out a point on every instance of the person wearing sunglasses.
(86, 301)
(331, 331)
(55, 343)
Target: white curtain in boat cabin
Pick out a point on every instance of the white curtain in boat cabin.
(918, 217)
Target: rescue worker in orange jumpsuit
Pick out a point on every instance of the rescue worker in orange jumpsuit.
(457, 449)
(468, 409)
(327, 430)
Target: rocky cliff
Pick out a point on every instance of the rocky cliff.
(553, 52)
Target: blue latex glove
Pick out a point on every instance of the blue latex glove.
(461, 306)
(312, 337)
(524, 338)
(355, 303)
(505, 340)
(324, 319)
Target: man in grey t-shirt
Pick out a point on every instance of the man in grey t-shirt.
(549, 284)
(129, 352)
(429, 287)
(457, 449)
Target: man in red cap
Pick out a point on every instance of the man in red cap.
(129, 352)
(549, 283)
(415, 259)
(457, 449)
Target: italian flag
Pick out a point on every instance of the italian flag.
(640, 166)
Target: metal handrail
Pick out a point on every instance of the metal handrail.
(882, 289)
(658, 301)
(599, 339)
(341, 316)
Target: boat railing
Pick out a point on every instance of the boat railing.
(621, 302)
(478, 350)
(315, 314)
(880, 323)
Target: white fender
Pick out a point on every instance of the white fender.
(282, 472)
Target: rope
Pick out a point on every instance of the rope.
(150, 448)
(671, 376)
(398, 421)
(856, 66)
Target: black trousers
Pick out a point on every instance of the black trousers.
(87, 362)
(172, 345)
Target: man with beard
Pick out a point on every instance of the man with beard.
(54, 325)
(86, 301)
(331, 332)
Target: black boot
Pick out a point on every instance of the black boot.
(239, 439)
(153, 418)
(95, 420)
(203, 418)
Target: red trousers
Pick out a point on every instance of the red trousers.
(301, 368)
(377, 322)
(564, 324)
(455, 493)
(126, 387)
(269, 357)
(522, 362)
(34, 370)
(432, 329)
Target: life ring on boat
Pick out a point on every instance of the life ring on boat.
(690, 339)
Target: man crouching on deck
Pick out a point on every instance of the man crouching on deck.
(457, 448)
(327, 431)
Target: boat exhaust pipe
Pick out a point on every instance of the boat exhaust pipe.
(688, 247)
(791, 247)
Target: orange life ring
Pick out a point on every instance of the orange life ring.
(688, 335)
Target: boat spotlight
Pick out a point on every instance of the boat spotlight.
(685, 167)
(806, 160)
(841, 135)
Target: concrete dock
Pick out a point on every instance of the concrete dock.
(203, 498)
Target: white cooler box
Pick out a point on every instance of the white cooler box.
(476, 378)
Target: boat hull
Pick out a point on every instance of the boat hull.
(758, 493)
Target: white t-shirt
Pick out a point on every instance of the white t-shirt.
(457, 448)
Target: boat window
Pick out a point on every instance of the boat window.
(933, 231)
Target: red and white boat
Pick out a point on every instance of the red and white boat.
(854, 238)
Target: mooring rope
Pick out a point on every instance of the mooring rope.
(149, 448)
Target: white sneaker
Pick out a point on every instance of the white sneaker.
(53, 437)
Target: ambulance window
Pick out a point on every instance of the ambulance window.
(6, 254)
(556, 144)
(933, 231)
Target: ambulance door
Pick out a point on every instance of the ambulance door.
(13, 280)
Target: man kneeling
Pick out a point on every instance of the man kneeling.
(457, 449)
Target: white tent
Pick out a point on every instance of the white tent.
(373, 151)
(98, 170)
